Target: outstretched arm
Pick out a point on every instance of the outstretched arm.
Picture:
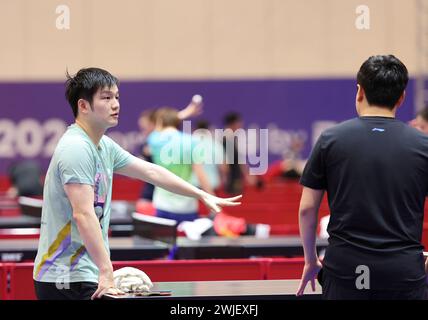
(161, 177)
(193, 109)
(308, 219)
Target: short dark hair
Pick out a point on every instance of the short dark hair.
(384, 79)
(85, 83)
(203, 124)
(231, 118)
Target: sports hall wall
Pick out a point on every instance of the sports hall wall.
(285, 65)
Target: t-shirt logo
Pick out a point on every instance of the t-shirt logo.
(378, 129)
(100, 193)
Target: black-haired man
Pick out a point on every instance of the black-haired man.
(73, 257)
(375, 171)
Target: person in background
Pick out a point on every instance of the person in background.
(210, 155)
(173, 150)
(237, 173)
(147, 123)
(421, 120)
(290, 166)
(26, 179)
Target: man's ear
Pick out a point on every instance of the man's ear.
(360, 93)
(83, 106)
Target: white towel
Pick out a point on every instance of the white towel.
(130, 279)
(194, 229)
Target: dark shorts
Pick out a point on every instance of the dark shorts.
(179, 217)
(334, 289)
(69, 291)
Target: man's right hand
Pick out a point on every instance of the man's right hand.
(310, 272)
(215, 204)
(106, 285)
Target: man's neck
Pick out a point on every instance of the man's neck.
(94, 135)
(375, 111)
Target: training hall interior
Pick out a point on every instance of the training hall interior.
(258, 80)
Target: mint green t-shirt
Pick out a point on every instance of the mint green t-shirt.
(210, 154)
(61, 255)
(173, 150)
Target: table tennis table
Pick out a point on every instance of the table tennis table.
(120, 220)
(135, 248)
(228, 290)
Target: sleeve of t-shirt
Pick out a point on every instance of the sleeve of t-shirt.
(120, 156)
(76, 164)
(314, 174)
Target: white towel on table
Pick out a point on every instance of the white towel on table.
(130, 279)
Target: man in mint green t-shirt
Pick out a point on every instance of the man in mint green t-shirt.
(73, 260)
